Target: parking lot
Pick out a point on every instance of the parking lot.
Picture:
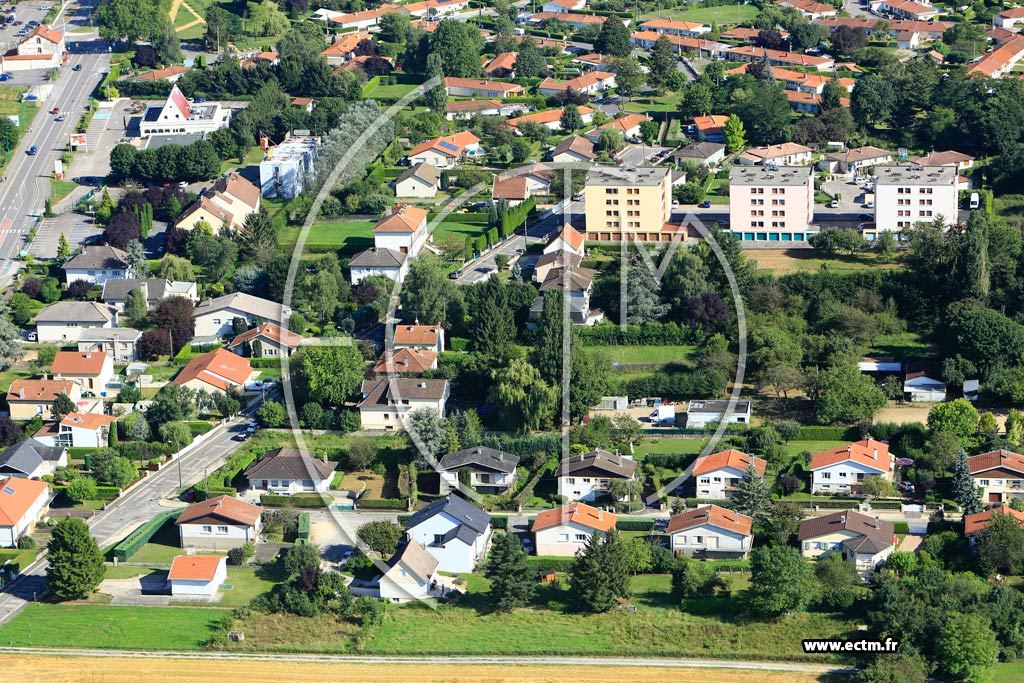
(77, 228)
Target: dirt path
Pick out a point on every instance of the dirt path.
(173, 14)
(56, 669)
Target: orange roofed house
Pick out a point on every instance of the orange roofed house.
(842, 469)
(407, 361)
(426, 337)
(563, 531)
(22, 503)
(446, 151)
(219, 524)
(43, 48)
(344, 48)
(710, 127)
(85, 430)
(999, 475)
(216, 371)
(980, 520)
(710, 531)
(91, 370)
(589, 83)
(28, 398)
(269, 340)
(718, 474)
(197, 576)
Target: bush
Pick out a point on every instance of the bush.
(900, 527)
(298, 500)
(839, 599)
(556, 564)
(242, 554)
(634, 524)
(26, 542)
(383, 503)
(828, 434)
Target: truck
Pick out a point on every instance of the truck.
(663, 416)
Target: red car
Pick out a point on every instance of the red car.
(56, 110)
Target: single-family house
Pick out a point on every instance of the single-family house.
(446, 151)
(575, 148)
(999, 475)
(586, 476)
(750, 53)
(215, 372)
(219, 524)
(564, 6)
(513, 190)
(851, 160)
(905, 9)
(975, 523)
(474, 87)
(79, 430)
(32, 459)
(427, 337)
(549, 118)
(704, 152)
(65, 321)
(411, 574)
(628, 125)
(92, 371)
(228, 202)
(700, 414)
(361, 20)
(810, 9)
(268, 340)
(96, 264)
(43, 48)
(863, 541)
(28, 398)
(390, 263)
(215, 317)
(785, 154)
(154, 290)
(569, 240)
(403, 228)
(171, 74)
(710, 532)
(922, 382)
(466, 109)
(709, 128)
(1011, 19)
(421, 181)
(452, 530)
(718, 474)
(488, 470)
(676, 27)
(407, 361)
(22, 503)
(289, 470)
(564, 531)
(434, 8)
(576, 284)
(575, 20)
(879, 365)
(197, 576)
(502, 66)
(555, 260)
(386, 400)
(843, 469)
(590, 83)
(949, 157)
(344, 47)
(119, 343)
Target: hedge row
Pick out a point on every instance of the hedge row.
(298, 500)
(202, 494)
(557, 564)
(828, 434)
(901, 527)
(265, 362)
(634, 524)
(499, 522)
(236, 463)
(649, 334)
(463, 218)
(103, 493)
(303, 532)
(141, 536)
(382, 504)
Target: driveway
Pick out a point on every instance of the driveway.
(335, 532)
(636, 155)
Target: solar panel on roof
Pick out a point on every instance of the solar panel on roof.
(8, 490)
(448, 146)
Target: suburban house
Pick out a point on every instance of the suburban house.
(97, 264)
(904, 9)
(958, 160)
(90, 370)
(119, 343)
(215, 372)
(361, 20)
(863, 541)
(502, 66)
(421, 181)
(447, 151)
(177, 115)
(551, 118)
(710, 532)
(390, 263)
(1002, 60)
(385, 401)
(215, 317)
(922, 382)
(786, 216)
(575, 20)
(675, 27)
(28, 398)
(628, 125)
(576, 284)
(219, 524)
(999, 475)
(557, 6)
(411, 574)
(453, 531)
(978, 521)
(406, 361)
(718, 474)
(171, 74)
(78, 430)
(554, 260)
(289, 470)
(434, 8)
(228, 202)
(403, 228)
(344, 47)
(906, 195)
(268, 340)
(487, 470)
(590, 83)
(286, 166)
(842, 469)
(154, 290)
(65, 321)
(706, 153)
(851, 160)
(32, 459)
(700, 414)
(704, 48)
(197, 576)
(426, 337)
(811, 10)
(586, 477)
(709, 128)
(514, 190)
(22, 504)
(474, 87)
(785, 154)
(574, 148)
(1011, 19)
(465, 110)
(563, 531)
(750, 53)
(570, 240)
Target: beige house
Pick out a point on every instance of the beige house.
(28, 398)
(229, 201)
(863, 541)
(411, 574)
(384, 402)
(629, 202)
(843, 469)
(420, 181)
(91, 370)
(771, 204)
(216, 316)
(269, 340)
(563, 531)
(711, 532)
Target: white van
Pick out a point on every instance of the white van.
(975, 200)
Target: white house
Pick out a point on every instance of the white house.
(65, 321)
(863, 541)
(1010, 19)
(842, 469)
(569, 240)
(590, 83)
(289, 470)
(228, 202)
(403, 228)
(390, 263)
(386, 401)
(284, 171)
(576, 285)
(426, 337)
(785, 154)
(563, 6)
(43, 48)
(572, 149)
(119, 343)
(154, 290)
(22, 503)
(91, 370)
(699, 414)
(922, 383)
(215, 372)
(453, 531)
(85, 430)
(197, 575)
(219, 524)
(564, 531)
(215, 317)
(488, 470)
(32, 459)
(718, 474)
(420, 181)
(447, 151)
(97, 264)
(586, 477)
(410, 575)
(999, 475)
(710, 532)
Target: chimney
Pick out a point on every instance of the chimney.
(21, 392)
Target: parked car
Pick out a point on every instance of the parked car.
(834, 204)
(6, 76)
(706, 204)
(455, 275)
(32, 336)
(252, 427)
(870, 204)
(241, 436)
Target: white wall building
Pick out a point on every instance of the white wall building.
(22, 504)
(710, 531)
(288, 470)
(563, 531)
(700, 414)
(453, 531)
(771, 204)
(718, 474)
(177, 115)
(197, 576)
(219, 524)
(586, 477)
(843, 469)
(906, 195)
(410, 575)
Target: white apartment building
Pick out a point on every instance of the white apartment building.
(906, 195)
(771, 204)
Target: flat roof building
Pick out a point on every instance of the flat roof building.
(627, 201)
(284, 171)
(771, 203)
(907, 195)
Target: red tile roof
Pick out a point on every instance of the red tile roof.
(572, 237)
(401, 218)
(44, 390)
(712, 515)
(224, 507)
(219, 368)
(579, 513)
(868, 452)
(737, 460)
(506, 61)
(979, 520)
(195, 567)
(92, 421)
(271, 331)
(417, 335)
(17, 496)
(1001, 459)
(408, 359)
(78, 363)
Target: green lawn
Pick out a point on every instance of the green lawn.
(252, 157)
(669, 446)
(103, 626)
(350, 237)
(445, 228)
(21, 558)
(726, 15)
(59, 189)
(246, 584)
(906, 344)
(646, 355)
(393, 91)
(642, 105)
